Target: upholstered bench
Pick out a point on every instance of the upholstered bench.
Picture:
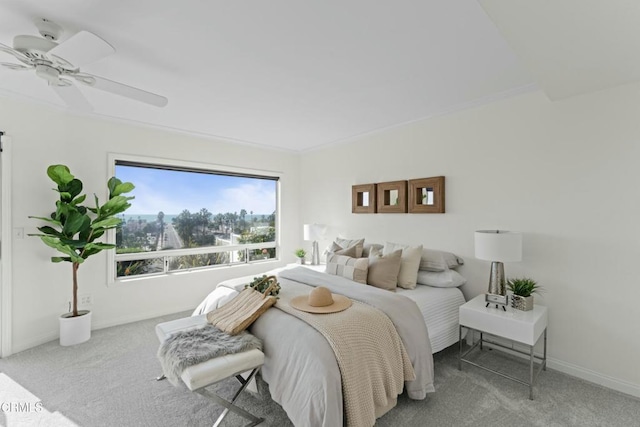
(204, 374)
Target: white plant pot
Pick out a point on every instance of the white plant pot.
(75, 330)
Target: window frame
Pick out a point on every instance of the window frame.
(113, 257)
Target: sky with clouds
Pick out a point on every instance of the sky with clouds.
(174, 191)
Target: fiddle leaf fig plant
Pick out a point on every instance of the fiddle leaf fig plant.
(74, 228)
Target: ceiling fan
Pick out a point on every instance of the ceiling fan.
(59, 64)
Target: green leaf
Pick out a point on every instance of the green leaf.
(50, 231)
(50, 220)
(79, 200)
(117, 187)
(115, 205)
(107, 223)
(59, 174)
(55, 243)
(99, 246)
(60, 259)
(73, 188)
(74, 223)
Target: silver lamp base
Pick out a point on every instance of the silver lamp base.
(497, 285)
(497, 293)
(315, 253)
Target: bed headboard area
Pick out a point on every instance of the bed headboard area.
(393, 265)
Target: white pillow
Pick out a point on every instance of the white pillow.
(355, 269)
(441, 279)
(408, 275)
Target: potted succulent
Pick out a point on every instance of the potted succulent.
(73, 230)
(523, 290)
(301, 253)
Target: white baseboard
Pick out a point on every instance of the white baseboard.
(140, 316)
(594, 377)
(577, 371)
(50, 336)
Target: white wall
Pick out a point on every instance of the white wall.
(41, 289)
(564, 173)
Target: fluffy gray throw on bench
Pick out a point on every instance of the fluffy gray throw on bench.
(190, 347)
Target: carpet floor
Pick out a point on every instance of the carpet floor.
(110, 381)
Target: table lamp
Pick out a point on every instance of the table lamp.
(498, 246)
(313, 232)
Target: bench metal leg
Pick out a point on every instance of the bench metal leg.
(229, 406)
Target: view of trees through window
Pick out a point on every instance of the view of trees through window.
(185, 218)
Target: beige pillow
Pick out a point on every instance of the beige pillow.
(384, 269)
(351, 268)
(408, 275)
(338, 250)
(347, 243)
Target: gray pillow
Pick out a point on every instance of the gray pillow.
(383, 270)
(350, 268)
(433, 260)
(371, 248)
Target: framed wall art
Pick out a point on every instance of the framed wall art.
(426, 195)
(392, 197)
(363, 198)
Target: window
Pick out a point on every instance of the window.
(185, 218)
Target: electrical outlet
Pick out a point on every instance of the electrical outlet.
(85, 299)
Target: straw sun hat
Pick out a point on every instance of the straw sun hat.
(320, 300)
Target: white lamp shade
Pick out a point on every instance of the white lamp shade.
(313, 231)
(498, 245)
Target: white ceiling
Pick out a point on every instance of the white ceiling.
(297, 75)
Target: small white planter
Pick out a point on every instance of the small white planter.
(75, 330)
(301, 261)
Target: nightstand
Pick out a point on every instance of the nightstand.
(517, 326)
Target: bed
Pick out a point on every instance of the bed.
(302, 372)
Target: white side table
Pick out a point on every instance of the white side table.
(523, 327)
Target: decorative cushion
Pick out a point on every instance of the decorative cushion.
(347, 243)
(433, 260)
(339, 250)
(408, 274)
(441, 279)
(351, 268)
(384, 269)
(369, 247)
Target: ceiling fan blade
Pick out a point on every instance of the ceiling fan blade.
(11, 51)
(82, 48)
(72, 96)
(121, 89)
(15, 67)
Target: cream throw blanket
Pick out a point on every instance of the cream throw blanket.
(371, 379)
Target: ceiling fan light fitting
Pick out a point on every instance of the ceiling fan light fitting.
(48, 73)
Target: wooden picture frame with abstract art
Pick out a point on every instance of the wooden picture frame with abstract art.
(426, 195)
(392, 197)
(363, 198)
